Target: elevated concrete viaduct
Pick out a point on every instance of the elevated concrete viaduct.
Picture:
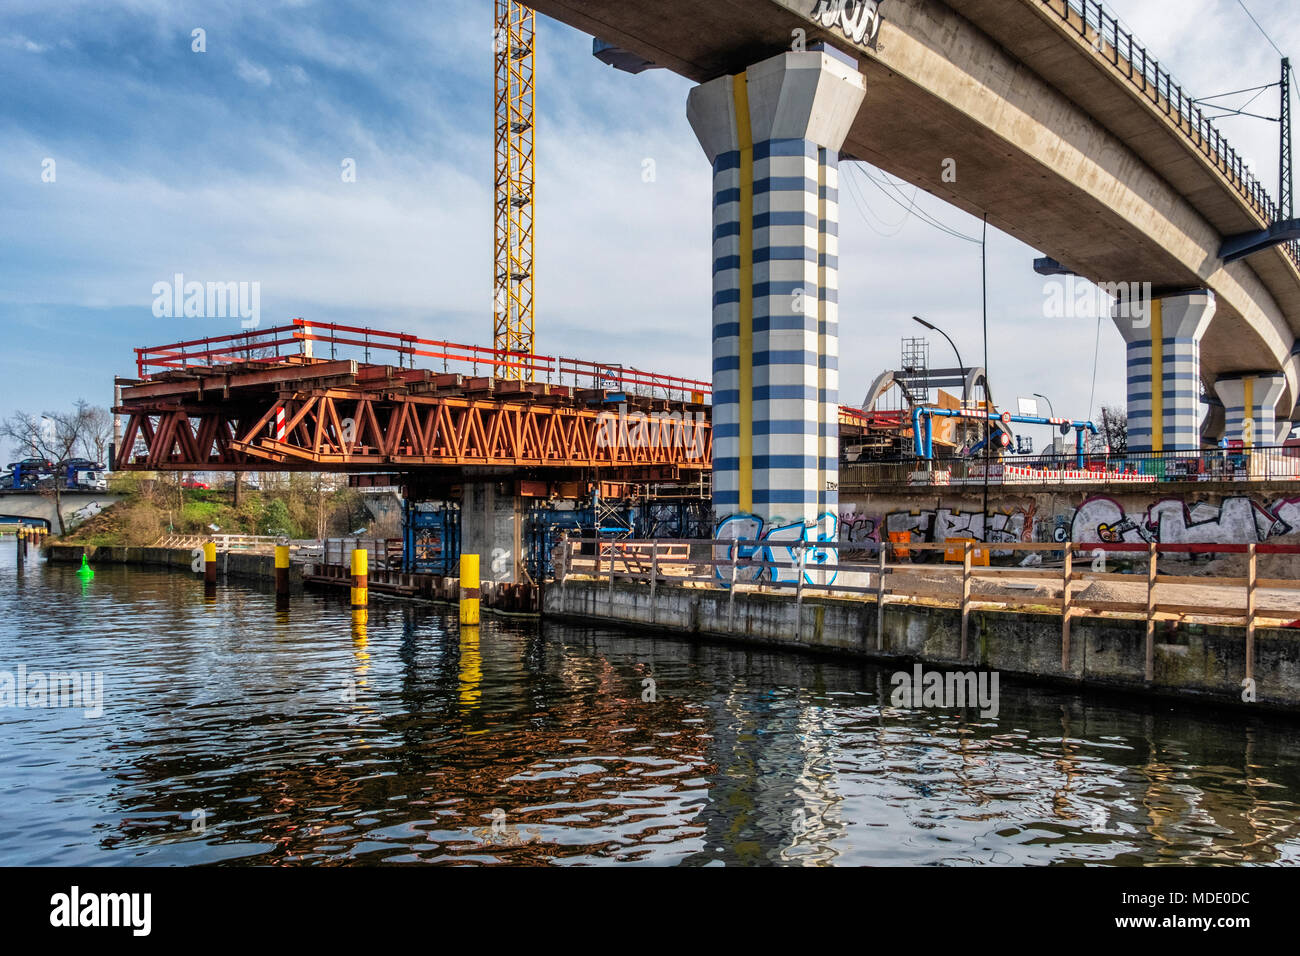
(1069, 137)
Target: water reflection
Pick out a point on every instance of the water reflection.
(237, 733)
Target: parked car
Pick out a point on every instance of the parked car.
(193, 484)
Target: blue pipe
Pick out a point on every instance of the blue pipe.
(923, 435)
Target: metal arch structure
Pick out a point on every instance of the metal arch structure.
(970, 378)
(515, 193)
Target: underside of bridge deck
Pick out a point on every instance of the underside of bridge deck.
(1049, 127)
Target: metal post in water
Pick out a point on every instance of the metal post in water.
(209, 570)
(360, 574)
(281, 575)
(469, 589)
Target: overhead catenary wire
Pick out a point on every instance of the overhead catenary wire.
(1242, 4)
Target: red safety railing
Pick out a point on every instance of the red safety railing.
(275, 345)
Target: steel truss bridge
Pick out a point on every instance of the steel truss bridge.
(268, 400)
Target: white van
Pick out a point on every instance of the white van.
(92, 480)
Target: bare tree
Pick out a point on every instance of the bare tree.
(1114, 428)
(99, 433)
(54, 437)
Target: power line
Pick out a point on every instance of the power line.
(867, 213)
(855, 190)
(916, 210)
(1242, 4)
(886, 183)
(907, 212)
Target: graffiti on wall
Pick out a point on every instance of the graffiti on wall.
(859, 532)
(1237, 520)
(772, 550)
(940, 524)
(1100, 519)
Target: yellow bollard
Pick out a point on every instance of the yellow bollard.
(360, 571)
(469, 589)
(282, 570)
(282, 579)
(210, 562)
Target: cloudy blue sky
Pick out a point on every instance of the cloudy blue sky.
(225, 166)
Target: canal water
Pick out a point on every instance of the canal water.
(232, 733)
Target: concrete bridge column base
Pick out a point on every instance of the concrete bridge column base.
(492, 520)
(1164, 369)
(1249, 403)
(773, 135)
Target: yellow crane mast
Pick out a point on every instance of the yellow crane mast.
(516, 30)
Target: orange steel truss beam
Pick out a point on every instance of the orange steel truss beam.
(339, 429)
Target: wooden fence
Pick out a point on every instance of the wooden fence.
(383, 552)
(812, 568)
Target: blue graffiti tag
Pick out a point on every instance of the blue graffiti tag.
(773, 555)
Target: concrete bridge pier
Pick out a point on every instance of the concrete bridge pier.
(492, 520)
(773, 135)
(1164, 368)
(1250, 403)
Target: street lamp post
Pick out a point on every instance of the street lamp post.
(960, 364)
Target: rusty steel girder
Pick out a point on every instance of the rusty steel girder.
(358, 429)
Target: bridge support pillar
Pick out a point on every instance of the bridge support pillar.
(773, 135)
(1164, 369)
(1249, 403)
(492, 520)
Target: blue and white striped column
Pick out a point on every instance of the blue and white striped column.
(1250, 406)
(773, 135)
(1164, 369)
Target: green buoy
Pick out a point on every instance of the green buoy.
(85, 570)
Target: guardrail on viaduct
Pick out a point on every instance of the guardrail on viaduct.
(1109, 40)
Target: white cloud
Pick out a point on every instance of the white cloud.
(252, 73)
(19, 42)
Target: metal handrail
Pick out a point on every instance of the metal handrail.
(1103, 32)
(1259, 463)
(263, 346)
